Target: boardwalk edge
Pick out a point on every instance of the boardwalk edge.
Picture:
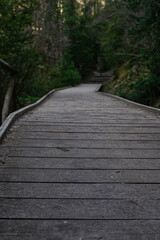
(14, 115)
(142, 106)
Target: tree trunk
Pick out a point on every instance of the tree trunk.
(7, 100)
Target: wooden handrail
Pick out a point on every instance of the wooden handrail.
(8, 67)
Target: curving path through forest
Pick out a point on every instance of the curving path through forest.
(81, 166)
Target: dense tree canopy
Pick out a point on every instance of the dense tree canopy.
(55, 43)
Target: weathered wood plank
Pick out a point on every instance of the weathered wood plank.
(87, 116)
(79, 209)
(68, 152)
(80, 163)
(82, 143)
(102, 136)
(82, 118)
(81, 166)
(95, 112)
(96, 129)
(82, 229)
(139, 122)
(80, 176)
(79, 191)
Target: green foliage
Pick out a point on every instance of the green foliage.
(111, 44)
(135, 82)
(16, 40)
(82, 47)
(24, 101)
(141, 43)
(146, 34)
(66, 73)
(81, 36)
(18, 47)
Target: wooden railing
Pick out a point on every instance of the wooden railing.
(8, 96)
(8, 67)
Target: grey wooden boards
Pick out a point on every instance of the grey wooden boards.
(81, 166)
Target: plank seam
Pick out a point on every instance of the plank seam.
(82, 219)
(83, 183)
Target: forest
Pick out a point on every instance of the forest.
(56, 43)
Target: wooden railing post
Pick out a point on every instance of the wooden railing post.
(1, 103)
(9, 93)
(8, 100)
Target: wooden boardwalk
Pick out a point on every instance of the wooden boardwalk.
(82, 166)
